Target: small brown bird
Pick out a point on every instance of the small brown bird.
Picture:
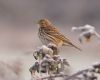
(48, 33)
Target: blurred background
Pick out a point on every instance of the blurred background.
(18, 33)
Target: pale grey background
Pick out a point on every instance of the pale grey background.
(18, 29)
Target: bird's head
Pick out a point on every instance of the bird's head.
(44, 22)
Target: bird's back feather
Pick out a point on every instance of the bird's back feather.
(58, 37)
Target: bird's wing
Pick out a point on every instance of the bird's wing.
(52, 31)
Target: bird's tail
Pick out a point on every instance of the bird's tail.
(73, 45)
(76, 47)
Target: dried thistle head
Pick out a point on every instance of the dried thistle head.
(34, 68)
(42, 52)
(56, 57)
(96, 65)
(46, 50)
(74, 29)
(89, 27)
(54, 48)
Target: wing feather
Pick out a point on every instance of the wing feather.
(52, 31)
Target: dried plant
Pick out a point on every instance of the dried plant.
(86, 74)
(86, 31)
(49, 65)
(48, 62)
